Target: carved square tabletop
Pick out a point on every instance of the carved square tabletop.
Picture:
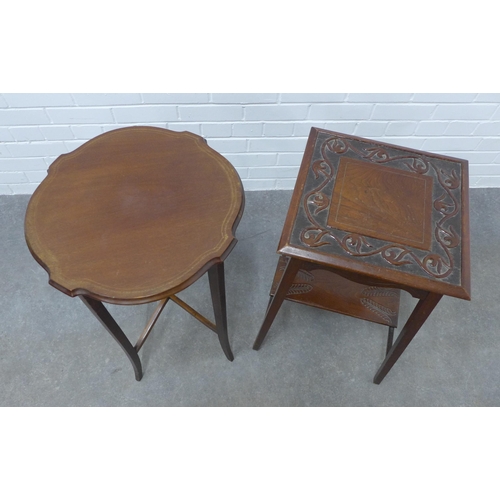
(383, 211)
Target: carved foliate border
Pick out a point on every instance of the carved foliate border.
(442, 262)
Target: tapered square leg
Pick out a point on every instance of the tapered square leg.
(417, 318)
(218, 291)
(275, 302)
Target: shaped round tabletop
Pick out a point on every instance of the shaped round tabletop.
(134, 215)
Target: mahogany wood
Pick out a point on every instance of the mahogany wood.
(133, 216)
(307, 235)
(390, 338)
(218, 291)
(194, 313)
(147, 330)
(287, 278)
(322, 288)
(381, 216)
(382, 202)
(412, 326)
(102, 314)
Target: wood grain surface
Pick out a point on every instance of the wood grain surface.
(383, 212)
(134, 215)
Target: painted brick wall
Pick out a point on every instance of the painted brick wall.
(262, 135)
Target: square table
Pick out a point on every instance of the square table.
(366, 220)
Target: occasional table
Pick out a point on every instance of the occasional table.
(366, 220)
(134, 216)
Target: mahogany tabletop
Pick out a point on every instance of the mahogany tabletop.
(381, 211)
(134, 215)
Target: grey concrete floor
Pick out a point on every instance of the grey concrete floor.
(55, 353)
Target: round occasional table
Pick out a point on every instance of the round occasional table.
(133, 216)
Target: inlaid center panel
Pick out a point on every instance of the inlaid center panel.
(382, 202)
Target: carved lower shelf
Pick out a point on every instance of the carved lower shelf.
(327, 290)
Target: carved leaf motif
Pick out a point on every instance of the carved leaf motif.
(441, 206)
(305, 276)
(436, 266)
(321, 201)
(298, 288)
(377, 154)
(317, 234)
(450, 238)
(418, 165)
(352, 243)
(452, 180)
(396, 256)
(312, 237)
(383, 312)
(337, 145)
(321, 167)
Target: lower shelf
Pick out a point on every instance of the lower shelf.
(327, 290)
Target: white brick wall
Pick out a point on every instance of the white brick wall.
(262, 135)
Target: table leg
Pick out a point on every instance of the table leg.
(275, 302)
(218, 291)
(102, 314)
(390, 338)
(417, 318)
